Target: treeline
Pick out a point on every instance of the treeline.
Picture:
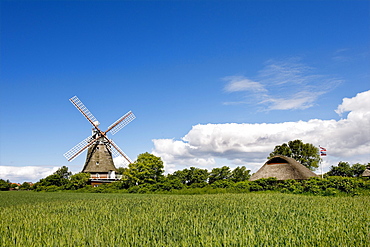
(146, 175)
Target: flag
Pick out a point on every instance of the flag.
(322, 151)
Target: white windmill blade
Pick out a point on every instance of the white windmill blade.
(77, 150)
(121, 122)
(83, 109)
(116, 151)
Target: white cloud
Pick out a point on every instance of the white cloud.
(249, 144)
(301, 100)
(282, 85)
(25, 173)
(120, 162)
(240, 83)
(358, 104)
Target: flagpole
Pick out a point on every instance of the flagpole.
(322, 176)
(322, 153)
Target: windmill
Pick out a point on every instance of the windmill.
(101, 149)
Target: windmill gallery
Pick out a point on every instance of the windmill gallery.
(101, 150)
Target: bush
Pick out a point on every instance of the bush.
(255, 187)
(52, 188)
(222, 184)
(330, 192)
(242, 186)
(264, 184)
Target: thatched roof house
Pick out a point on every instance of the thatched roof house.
(366, 173)
(282, 168)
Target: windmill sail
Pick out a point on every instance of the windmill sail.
(121, 122)
(79, 148)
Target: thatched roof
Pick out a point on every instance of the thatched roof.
(282, 168)
(99, 159)
(366, 173)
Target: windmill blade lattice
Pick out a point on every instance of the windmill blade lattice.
(76, 150)
(83, 109)
(121, 122)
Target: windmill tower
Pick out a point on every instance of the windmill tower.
(101, 149)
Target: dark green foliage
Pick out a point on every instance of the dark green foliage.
(344, 169)
(53, 179)
(358, 169)
(78, 181)
(4, 185)
(219, 174)
(222, 184)
(25, 186)
(240, 174)
(146, 176)
(63, 172)
(191, 176)
(58, 178)
(263, 184)
(305, 153)
(14, 186)
(146, 169)
(242, 186)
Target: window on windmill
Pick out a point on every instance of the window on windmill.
(97, 163)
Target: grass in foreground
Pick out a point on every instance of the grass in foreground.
(253, 219)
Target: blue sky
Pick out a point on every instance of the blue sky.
(198, 75)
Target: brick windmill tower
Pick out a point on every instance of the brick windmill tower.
(101, 149)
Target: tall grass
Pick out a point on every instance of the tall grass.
(253, 219)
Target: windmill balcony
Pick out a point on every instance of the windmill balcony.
(105, 177)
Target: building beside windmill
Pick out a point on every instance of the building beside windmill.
(366, 173)
(283, 168)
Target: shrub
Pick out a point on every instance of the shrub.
(242, 186)
(222, 184)
(330, 192)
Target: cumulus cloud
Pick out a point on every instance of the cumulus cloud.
(347, 139)
(25, 173)
(120, 161)
(282, 85)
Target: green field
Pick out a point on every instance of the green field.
(251, 219)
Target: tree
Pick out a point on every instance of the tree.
(25, 186)
(63, 172)
(191, 176)
(217, 174)
(358, 169)
(148, 168)
(79, 180)
(240, 174)
(4, 185)
(197, 176)
(181, 175)
(305, 153)
(343, 169)
(58, 178)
